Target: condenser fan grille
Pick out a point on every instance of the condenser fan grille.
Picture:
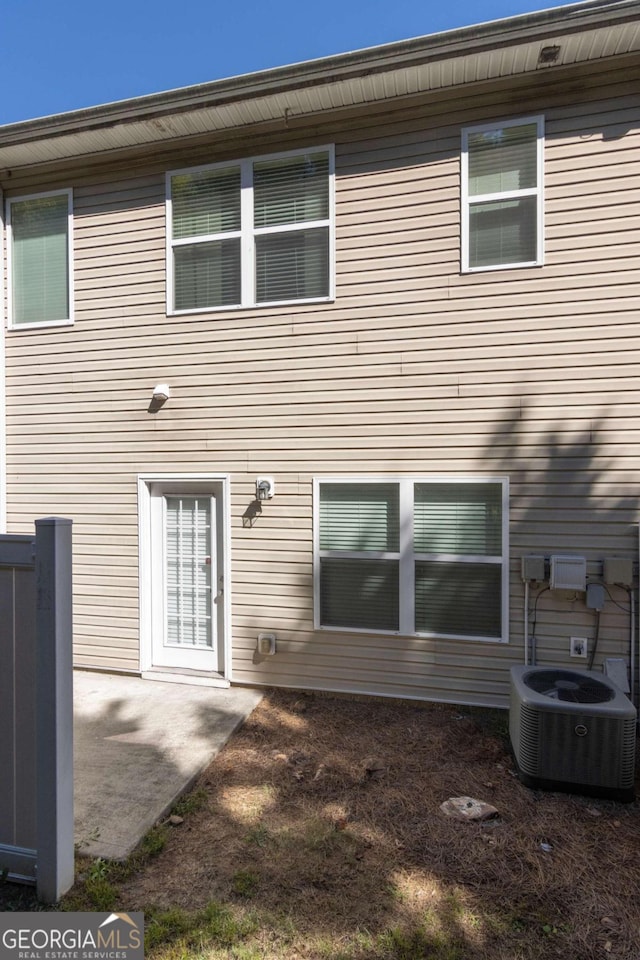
(567, 687)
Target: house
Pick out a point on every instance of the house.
(314, 357)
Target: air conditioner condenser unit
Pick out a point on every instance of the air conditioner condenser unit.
(573, 731)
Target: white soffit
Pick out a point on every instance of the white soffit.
(305, 90)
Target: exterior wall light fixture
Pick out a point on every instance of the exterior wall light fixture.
(161, 393)
(265, 488)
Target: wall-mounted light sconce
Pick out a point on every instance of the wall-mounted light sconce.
(159, 397)
(161, 393)
(265, 488)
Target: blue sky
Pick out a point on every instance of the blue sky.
(78, 53)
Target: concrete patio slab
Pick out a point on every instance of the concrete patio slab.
(138, 745)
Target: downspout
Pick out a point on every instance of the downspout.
(632, 652)
(526, 623)
(632, 631)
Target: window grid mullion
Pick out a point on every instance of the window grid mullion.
(205, 238)
(290, 227)
(457, 558)
(503, 195)
(359, 554)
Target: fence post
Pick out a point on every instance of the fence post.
(54, 699)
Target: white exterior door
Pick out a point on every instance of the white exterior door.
(184, 562)
(189, 635)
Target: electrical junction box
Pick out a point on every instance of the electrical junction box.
(568, 573)
(595, 596)
(618, 570)
(532, 568)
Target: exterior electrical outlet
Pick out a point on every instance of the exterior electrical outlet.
(266, 644)
(579, 647)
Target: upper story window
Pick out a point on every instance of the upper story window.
(502, 215)
(39, 230)
(426, 557)
(259, 231)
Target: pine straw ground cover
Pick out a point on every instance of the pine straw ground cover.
(317, 833)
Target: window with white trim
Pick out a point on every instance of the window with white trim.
(502, 209)
(39, 231)
(259, 231)
(412, 556)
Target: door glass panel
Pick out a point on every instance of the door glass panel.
(188, 571)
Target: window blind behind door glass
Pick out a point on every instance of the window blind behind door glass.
(40, 259)
(188, 544)
(458, 518)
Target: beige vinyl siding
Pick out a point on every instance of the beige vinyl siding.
(414, 370)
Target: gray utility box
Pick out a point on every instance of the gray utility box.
(572, 730)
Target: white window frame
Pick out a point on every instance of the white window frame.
(537, 191)
(40, 324)
(248, 232)
(407, 557)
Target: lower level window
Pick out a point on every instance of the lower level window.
(412, 556)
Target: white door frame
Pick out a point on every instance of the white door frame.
(215, 484)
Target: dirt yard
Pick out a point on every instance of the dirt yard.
(318, 833)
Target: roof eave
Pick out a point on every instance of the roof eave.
(342, 68)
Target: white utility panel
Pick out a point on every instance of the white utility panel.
(568, 573)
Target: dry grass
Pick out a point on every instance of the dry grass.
(317, 834)
(313, 856)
